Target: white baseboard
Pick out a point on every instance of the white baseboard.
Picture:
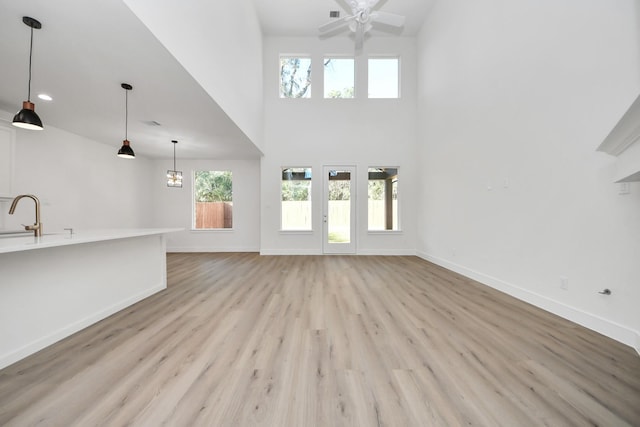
(367, 252)
(603, 326)
(190, 249)
(387, 252)
(290, 252)
(37, 345)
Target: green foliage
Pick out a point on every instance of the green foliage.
(338, 237)
(347, 92)
(376, 189)
(294, 82)
(344, 93)
(340, 190)
(214, 186)
(295, 190)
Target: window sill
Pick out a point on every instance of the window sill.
(384, 232)
(294, 232)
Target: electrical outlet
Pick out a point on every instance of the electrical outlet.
(564, 283)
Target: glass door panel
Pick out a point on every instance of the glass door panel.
(339, 210)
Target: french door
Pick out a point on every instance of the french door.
(339, 216)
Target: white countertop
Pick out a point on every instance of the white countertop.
(17, 243)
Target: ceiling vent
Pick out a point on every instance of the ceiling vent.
(334, 14)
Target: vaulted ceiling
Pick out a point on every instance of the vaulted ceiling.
(85, 49)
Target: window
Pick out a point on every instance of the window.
(295, 77)
(383, 199)
(339, 75)
(296, 199)
(383, 78)
(213, 200)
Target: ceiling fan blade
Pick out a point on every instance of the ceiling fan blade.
(345, 5)
(334, 24)
(388, 18)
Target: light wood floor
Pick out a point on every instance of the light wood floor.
(243, 339)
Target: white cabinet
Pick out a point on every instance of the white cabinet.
(7, 138)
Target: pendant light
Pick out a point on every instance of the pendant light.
(27, 117)
(126, 152)
(174, 177)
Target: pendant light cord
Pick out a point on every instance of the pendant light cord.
(30, 54)
(126, 114)
(174, 157)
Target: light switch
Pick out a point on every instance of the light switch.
(625, 188)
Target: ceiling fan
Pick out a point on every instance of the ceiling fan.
(363, 15)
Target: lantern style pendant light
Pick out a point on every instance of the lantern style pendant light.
(126, 152)
(27, 117)
(174, 177)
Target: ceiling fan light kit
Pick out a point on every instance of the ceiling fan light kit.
(360, 21)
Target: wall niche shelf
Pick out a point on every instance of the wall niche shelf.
(624, 142)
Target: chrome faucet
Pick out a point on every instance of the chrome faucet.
(37, 227)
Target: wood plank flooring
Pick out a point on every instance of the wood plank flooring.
(249, 340)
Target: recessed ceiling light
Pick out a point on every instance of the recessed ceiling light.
(45, 97)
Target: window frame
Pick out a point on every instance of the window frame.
(355, 74)
(398, 228)
(399, 75)
(310, 199)
(309, 91)
(194, 208)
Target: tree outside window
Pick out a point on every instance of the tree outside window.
(295, 77)
(339, 77)
(213, 199)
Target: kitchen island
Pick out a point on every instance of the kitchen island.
(57, 284)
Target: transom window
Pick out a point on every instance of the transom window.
(339, 77)
(383, 78)
(295, 77)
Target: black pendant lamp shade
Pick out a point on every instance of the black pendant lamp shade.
(27, 117)
(126, 152)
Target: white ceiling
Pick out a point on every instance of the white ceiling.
(303, 17)
(85, 49)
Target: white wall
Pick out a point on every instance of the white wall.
(173, 207)
(80, 183)
(220, 44)
(316, 132)
(514, 98)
